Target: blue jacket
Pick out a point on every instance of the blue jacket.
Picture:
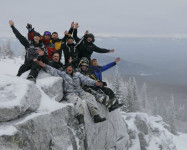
(97, 70)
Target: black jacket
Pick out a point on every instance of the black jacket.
(86, 48)
(70, 50)
(31, 47)
(57, 65)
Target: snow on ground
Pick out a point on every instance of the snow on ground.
(180, 141)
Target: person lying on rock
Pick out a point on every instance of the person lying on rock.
(35, 50)
(74, 93)
(99, 95)
(95, 72)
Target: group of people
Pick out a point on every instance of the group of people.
(82, 76)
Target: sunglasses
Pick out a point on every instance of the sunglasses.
(47, 33)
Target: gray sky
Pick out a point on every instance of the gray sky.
(101, 17)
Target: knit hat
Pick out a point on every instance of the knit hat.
(69, 64)
(37, 34)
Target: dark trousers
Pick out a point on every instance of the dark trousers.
(106, 91)
(35, 68)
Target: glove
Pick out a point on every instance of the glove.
(29, 27)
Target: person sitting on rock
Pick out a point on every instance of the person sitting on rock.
(55, 62)
(35, 50)
(86, 45)
(99, 95)
(95, 72)
(74, 93)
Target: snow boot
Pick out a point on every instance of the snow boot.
(97, 119)
(116, 105)
(31, 78)
(80, 118)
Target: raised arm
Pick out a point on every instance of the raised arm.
(102, 50)
(69, 33)
(19, 36)
(108, 66)
(51, 70)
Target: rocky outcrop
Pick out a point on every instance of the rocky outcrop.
(53, 125)
(148, 132)
(13, 103)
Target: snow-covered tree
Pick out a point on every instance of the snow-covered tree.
(131, 100)
(6, 51)
(171, 115)
(119, 86)
(145, 104)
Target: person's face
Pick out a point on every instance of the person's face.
(54, 36)
(70, 41)
(69, 69)
(94, 63)
(56, 57)
(83, 68)
(89, 39)
(47, 37)
(36, 39)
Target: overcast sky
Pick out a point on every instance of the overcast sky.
(101, 17)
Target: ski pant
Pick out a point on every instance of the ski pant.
(97, 94)
(77, 101)
(106, 91)
(35, 68)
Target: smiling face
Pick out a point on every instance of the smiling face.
(89, 39)
(69, 70)
(36, 39)
(83, 68)
(70, 41)
(54, 36)
(56, 57)
(94, 62)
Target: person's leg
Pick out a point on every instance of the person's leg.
(25, 67)
(77, 101)
(92, 107)
(35, 68)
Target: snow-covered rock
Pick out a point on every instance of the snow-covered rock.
(53, 124)
(148, 132)
(17, 96)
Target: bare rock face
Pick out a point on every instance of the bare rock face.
(17, 98)
(52, 125)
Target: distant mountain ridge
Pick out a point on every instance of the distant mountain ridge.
(126, 67)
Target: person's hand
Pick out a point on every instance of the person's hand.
(98, 83)
(86, 32)
(111, 50)
(72, 24)
(70, 59)
(76, 26)
(41, 64)
(29, 26)
(11, 23)
(35, 60)
(66, 33)
(40, 52)
(117, 59)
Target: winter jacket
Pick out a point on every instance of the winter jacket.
(96, 71)
(72, 83)
(31, 47)
(70, 51)
(52, 45)
(57, 65)
(86, 48)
